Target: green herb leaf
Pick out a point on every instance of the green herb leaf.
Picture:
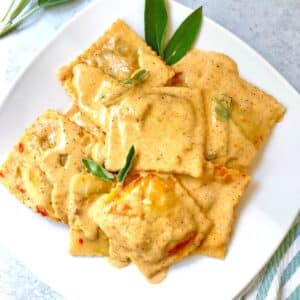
(16, 9)
(97, 170)
(223, 113)
(184, 37)
(137, 77)
(10, 24)
(223, 107)
(129, 160)
(49, 3)
(156, 21)
(211, 155)
(8, 11)
(20, 10)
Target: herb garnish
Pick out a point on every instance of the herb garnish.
(137, 77)
(19, 10)
(223, 107)
(156, 21)
(184, 37)
(124, 171)
(105, 175)
(211, 155)
(98, 170)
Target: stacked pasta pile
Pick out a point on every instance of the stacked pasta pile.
(196, 128)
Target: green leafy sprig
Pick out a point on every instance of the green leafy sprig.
(137, 77)
(156, 23)
(20, 10)
(104, 174)
(223, 107)
(98, 170)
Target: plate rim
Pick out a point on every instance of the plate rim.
(259, 57)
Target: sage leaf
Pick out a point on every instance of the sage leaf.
(211, 155)
(21, 10)
(223, 107)
(97, 170)
(137, 77)
(128, 164)
(16, 9)
(184, 37)
(156, 22)
(49, 3)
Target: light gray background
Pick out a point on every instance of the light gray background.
(272, 27)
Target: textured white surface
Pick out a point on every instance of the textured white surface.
(270, 26)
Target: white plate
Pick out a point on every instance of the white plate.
(266, 213)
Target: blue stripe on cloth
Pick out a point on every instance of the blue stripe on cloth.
(295, 295)
(274, 262)
(290, 269)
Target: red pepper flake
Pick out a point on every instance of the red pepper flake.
(244, 175)
(120, 210)
(257, 140)
(20, 189)
(112, 210)
(228, 178)
(80, 241)
(176, 79)
(130, 178)
(223, 172)
(217, 167)
(21, 148)
(220, 170)
(126, 206)
(2, 175)
(41, 210)
(180, 246)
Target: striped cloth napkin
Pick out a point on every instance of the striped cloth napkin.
(280, 278)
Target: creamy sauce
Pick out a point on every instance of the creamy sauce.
(74, 144)
(84, 190)
(253, 111)
(137, 119)
(80, 245)
(133, 217)
(218, 193)
(97, 75)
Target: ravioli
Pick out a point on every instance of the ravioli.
(22, 174)
(101, 70)
(85, 236)
(165, 125)
(218, 193)
(39, 169)
(65, 160)
(152, 222)
(253, 111)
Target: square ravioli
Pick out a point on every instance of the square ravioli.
(252, 111)
(110, 61)
(40, 167)
(166, 127)
(133, 216)
(22, 173)
(218, 192)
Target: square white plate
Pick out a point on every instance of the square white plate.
(266, 213)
